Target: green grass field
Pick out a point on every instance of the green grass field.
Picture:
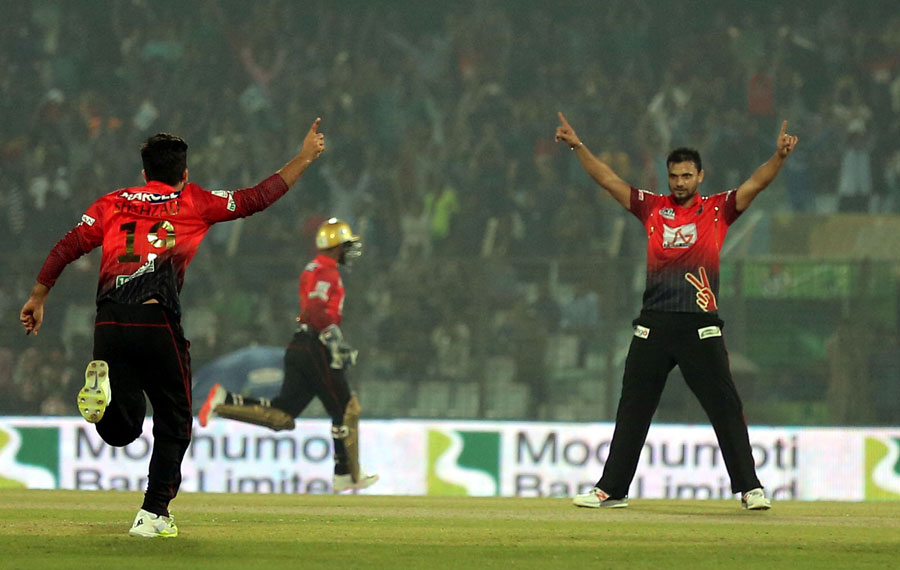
(71, 529)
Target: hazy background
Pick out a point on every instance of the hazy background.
(496, 282)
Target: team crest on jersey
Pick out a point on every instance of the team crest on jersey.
(229, 194)
(680, 236)
(667, 213)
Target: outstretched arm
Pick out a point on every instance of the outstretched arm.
(222, 206)
(766, 173)
(313, 145)
(598, 170)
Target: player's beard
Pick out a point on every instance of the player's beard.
(683, 195)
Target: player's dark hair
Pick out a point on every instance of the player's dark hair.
(684, 154)
(165, 158)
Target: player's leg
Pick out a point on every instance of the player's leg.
(278, 413)
(307, 360)
(122, 420)
(298, 386)
(166, 379)
(646, 367)
(704, 365)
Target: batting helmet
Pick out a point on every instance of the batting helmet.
(334, 232)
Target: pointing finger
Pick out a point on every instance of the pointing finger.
(783, 129)
(315, 126)
(562, 119)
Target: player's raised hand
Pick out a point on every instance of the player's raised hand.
(314, 142)
(565, 132)
(786, 142)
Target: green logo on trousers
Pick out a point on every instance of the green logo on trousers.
(882, 468)
(29, 457)
(463, 463)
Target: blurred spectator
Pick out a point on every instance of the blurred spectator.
(442, 151)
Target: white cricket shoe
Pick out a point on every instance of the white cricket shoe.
(149, 525)
(216, 396)
(345, 482)
(597, 498)
(95, 396)
(755, 500)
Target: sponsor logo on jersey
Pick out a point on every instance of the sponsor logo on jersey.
(148, 267)
(709, 332)
(229, 195)
(680, 236)
(641, 331)
(667, 213)
(321, 291)
(85, 219)
(149, 196)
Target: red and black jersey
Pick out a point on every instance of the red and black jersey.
(321, 293)
(683, 248)
(149, 235)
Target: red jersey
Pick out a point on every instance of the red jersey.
(683, 249)
(321, 293)
(149, 235)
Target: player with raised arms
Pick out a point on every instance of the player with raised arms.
(149, 234)
(679, 322)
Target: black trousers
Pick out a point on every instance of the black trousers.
(147, 353)
(308, 374)
(674, 339)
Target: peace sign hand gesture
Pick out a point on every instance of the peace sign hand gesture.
(706, 299)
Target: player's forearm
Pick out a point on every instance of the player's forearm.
(603, 175)
(761, 178)
(39, 292)
(767, 172)
(294, 169)
(596, 168)
(259, 197)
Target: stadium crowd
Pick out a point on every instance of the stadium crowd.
(487, 252)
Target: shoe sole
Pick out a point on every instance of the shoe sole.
(140, 534)
(92, 401)
(357, 486)
(589, 502)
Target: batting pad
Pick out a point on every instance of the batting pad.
(351, 440)
(255, 414)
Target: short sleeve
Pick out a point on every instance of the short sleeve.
(642, 203)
